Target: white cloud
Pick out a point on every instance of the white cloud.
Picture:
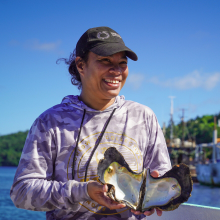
(135, 80)
(212, 80)
(190, 81)
(36, 45)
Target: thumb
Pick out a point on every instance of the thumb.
(105, 188)
(154, 173)
(101, 187)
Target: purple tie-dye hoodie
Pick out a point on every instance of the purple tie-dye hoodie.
(43, 181)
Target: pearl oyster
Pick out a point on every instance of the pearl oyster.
(141, 191)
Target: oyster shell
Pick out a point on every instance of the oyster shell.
(141, 191)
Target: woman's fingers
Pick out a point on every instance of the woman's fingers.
(148, 213)
(105, 188)
(159, 212)
(109, 203)
(136, 212)
(97, 192)
(114, 205)
(154, 173)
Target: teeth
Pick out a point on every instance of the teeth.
(112, 81)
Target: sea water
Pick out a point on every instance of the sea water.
(7, 208)
(201, 195)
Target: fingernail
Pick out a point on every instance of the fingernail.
(147, 213)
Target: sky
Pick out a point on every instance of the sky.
(177, 43)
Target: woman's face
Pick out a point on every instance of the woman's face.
(104, 76)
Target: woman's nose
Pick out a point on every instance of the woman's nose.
(116, 70)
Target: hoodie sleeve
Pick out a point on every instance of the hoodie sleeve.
(157, 156)
(34, 187)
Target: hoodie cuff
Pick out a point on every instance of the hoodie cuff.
(79, 191)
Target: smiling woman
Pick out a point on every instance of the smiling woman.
(57, 171)
(98, 66)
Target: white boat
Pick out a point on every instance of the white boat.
(208, 171)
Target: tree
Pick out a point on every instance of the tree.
(11, 147)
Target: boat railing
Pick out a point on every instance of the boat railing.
(188, 211)
(215, 154)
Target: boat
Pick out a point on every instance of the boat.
(208, 170)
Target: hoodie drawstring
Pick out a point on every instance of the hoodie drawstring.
(95, 147)
(76, 148)
(97, 143)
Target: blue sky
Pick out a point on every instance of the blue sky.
(177, 43)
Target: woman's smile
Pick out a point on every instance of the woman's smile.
(112, 83)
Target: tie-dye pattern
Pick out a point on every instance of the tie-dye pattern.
(43, 180)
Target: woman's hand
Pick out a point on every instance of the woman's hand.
(97, 192)
(148, 213)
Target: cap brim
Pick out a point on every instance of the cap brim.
(109, 49)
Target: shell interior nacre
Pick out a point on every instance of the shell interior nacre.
(141, 191)
(126, 185)
(160, 191)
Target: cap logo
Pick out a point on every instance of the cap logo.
(115, 34)
(100, 35)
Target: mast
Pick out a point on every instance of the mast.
(164, 129)
(214, 141)
(171, 119)
(183, 125)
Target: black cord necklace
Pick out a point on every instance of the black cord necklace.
(95, 147)
(73, 164)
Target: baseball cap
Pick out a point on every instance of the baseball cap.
(102, 41)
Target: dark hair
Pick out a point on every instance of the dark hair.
(75, 76)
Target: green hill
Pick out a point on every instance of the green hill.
(11, 147)
(199, 129)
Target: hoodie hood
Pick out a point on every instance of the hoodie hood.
(76, 103)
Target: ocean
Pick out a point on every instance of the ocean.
(201, 195)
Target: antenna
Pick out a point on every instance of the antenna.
(171, 119)
(183, 125)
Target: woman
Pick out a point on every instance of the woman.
(57, 172)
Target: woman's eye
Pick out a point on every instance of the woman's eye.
(124, 63)
(106, 60)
